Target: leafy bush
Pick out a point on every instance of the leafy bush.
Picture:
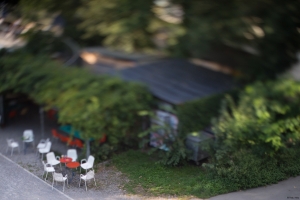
(257, 138)
(197, 115)
(92, 104)
(242, 169)
(44, 43)
(289, 161)
(265, 120)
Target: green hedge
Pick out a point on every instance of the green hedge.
(196, 115)
(242, 169)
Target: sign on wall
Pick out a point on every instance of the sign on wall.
(165, 119)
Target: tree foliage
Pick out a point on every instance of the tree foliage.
(269, 27)
(127, 26)
(265, 120)
(257, 137)
(210, 29)
(94, 105)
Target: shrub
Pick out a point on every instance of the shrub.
(243, 170)
(197, 115)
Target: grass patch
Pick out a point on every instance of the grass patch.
(153, 179)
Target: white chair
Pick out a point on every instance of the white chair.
(90, 175)
(51, 159)
(58, 177)
(47, 168)
(28, 137)
(42, 144)
(87, 164)
(12, 144)
(46, 149)
(72, 153)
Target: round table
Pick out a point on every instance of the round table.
(65, 160)
(72, 165)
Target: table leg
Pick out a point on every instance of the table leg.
(72, 171)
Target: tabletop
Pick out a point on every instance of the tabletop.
(65, 159)
(73, 164)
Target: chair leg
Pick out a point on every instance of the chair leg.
(95, 181)
(79, 182)
(64, 187)
(46, 175)
(52, 183)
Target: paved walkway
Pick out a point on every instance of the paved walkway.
(284, 190)
(17, 183)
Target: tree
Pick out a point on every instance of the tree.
(94, 105)
(265, 120)
(124, 24)
(269, 27)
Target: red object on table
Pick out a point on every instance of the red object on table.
(73, 164)
(103, 139)
(65, 160)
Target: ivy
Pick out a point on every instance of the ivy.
(94, 105)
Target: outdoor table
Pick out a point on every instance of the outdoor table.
(72, 165)
(65, 160)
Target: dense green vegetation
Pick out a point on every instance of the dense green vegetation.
(94, 105)
(155, 179)
(203, 110)
(202, 29)
(257, 133)
(257, 138)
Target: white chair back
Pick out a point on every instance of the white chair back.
(50, 157)
(72, 153)
(48, 146)
(9, 141)
(91, 160)
(28, 136)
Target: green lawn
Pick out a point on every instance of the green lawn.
(184, 181)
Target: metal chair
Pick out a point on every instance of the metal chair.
(90, 175)
(58, 177)
(52, 159)
(12, 144)
(28, 137)
(87, 164)
(42, 144)
(46, 149)
(72, 153)
(47, 168)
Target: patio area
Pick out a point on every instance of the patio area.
(108, 179)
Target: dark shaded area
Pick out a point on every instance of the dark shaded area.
(177, 81)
